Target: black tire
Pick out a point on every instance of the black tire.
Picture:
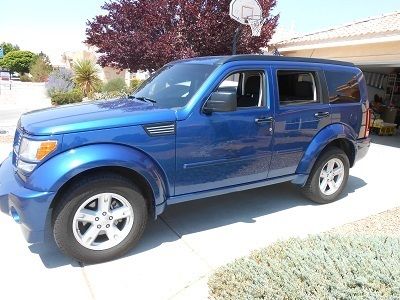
(76, 195)
(312, 190)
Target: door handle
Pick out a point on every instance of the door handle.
(264, 120)
(321, 115)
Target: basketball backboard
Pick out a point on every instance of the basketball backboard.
(242, 10)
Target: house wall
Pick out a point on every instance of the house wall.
(111, 73)
(106, 74)
(368, 54)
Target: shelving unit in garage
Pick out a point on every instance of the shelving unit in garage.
(393, 89)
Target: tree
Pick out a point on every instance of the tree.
(41, 68)
(86, 76)
(8, 47)
(18, 61)
(140, 34)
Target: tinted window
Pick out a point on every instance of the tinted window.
(174, 85)
(297, 87)
(342, 86)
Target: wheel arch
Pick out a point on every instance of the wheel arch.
(60, 171)
(133, 176)
(337, 135)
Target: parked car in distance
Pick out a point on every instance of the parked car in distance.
(5, 75)
(197, 128)
(15, 77)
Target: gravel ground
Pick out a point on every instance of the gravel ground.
(386, 223)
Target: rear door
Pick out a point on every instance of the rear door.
(302, 110)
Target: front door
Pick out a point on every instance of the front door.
(302, 111)
(227, 148)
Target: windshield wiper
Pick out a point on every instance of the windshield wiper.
(144, 99)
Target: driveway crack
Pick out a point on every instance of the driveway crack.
(87, 282)
(186, 243)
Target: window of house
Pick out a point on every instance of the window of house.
(297, 87)
(342, 87)
(248, 86)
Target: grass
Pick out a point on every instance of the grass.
(319, 267)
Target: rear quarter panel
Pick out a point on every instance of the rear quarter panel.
(350, 114)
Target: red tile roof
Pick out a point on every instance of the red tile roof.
(380, 26)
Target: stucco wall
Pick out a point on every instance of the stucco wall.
(369, 54)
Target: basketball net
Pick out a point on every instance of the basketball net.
(256, 24)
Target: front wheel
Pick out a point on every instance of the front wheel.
(328, 177)
(99, 219)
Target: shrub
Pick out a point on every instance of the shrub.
(40, 69)
(114, 85)
(319, 267)
(25, 78)
(135, 83)
(86, 76)
(109, 95)
(61, 98)
(60, 81)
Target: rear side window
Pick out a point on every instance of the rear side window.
(297, 87)
(342, 87)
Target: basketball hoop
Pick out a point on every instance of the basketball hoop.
(249, 13)
(256, 23)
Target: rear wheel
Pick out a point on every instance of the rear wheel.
(328, 177)
(99, 219)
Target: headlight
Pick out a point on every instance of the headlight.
(35, 151)
(25, 167)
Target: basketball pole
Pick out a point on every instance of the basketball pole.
(236, 37)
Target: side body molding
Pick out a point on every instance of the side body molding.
(321, 140)
(59, 169)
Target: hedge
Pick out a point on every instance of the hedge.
(73, 96)
(319, 267)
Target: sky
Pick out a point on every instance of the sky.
(57, 26)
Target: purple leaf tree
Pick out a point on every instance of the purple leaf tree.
(141, 34)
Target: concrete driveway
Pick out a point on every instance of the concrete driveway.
(180, 249)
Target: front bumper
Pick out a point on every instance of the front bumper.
(29, 208)
(362, 148)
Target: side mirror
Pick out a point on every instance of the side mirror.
(221, 102)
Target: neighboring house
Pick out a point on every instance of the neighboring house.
(372, 44)
(106, 73)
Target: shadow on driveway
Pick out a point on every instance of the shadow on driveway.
(390, 141)
(204, 214)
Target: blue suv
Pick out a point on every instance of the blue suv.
(95, 172)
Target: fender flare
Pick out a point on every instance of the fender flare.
(54, 173)
(325, 136)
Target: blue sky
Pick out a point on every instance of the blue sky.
(55, 26)
(312, 15)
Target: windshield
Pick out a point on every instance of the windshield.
(174, 85)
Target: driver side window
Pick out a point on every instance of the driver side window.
(248, 86)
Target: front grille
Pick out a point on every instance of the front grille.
(160, 129)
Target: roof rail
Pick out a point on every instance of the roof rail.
(284, 58)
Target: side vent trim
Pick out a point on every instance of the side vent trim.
(160, 129)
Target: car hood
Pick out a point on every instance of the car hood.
(93, 116)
